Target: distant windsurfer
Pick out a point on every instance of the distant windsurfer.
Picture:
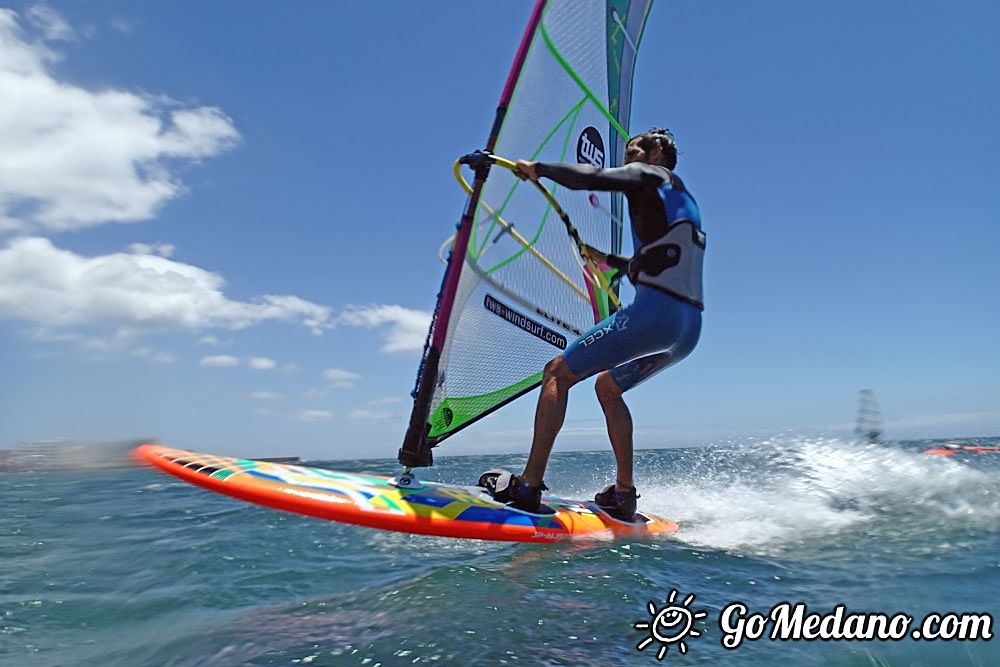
(659, 328)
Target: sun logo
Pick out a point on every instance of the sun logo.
(670, 625)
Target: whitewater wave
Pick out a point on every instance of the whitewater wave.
(802, 495)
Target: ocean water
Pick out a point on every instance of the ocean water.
(134, 568)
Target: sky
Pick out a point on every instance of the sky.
(219, 223)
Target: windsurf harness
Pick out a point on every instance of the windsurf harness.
(666, 224)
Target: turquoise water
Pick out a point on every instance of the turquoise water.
(132, 567)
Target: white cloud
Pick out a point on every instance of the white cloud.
(341, 379)
(161, 249)
(315, 393)
(8, 224)
(121, 343)
(265, 396)
(378, 410)
(312, 415)
(156, 356)
(54, 288)
(45, 335)
(388, 400)
(211, 341)
(123, 25)
(261, 363)
(72, 158)
(52, 26)
(373, 416)
(406, 329)
(220, 361)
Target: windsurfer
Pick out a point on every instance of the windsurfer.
(659, 328)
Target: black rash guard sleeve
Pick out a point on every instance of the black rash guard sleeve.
(630, 178)
(638, 180)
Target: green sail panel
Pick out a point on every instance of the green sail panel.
(454, 413)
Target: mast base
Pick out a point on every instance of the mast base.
(421, 458)
(406, 480)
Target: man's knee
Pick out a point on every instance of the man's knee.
(607, 388)
(558, 371)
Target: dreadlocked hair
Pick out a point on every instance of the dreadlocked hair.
(660, 136)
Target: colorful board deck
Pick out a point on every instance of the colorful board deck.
(370, 500)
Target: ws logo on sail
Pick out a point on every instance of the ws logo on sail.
(590, 148)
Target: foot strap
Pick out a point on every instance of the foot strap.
(502, 484)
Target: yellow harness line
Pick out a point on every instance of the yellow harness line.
(509, 228)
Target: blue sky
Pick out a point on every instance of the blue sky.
(220, 227)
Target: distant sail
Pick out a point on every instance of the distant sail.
(516, 292)
(869, 423)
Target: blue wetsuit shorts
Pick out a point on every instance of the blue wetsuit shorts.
(653, 332)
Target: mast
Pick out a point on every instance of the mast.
(416, 449)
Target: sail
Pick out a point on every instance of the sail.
(517, 292)
(868, 426)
